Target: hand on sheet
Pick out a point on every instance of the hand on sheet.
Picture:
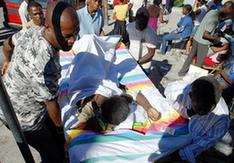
(153, 114)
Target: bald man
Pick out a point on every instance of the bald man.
(31, 78)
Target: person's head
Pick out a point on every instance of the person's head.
(142, 18)
(92, 6)
(205, 94)
(218, 1)
(157, 2)
(201, 2)
(187, 9)
(80, 4)
(227, 10)
(35, 13)
(121, 1)
(115, 110)
(61, 25)
(27, 1)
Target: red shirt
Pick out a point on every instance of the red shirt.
(116, 2)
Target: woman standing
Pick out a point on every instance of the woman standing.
(119, 15)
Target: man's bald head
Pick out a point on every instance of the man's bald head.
(62, 25)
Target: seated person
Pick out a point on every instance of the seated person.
(36, 15)
(208, 114)
(142, 38)
(119, 15)
(185, 27)
(99, 113)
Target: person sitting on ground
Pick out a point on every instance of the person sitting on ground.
(119, 15)
(208, 114)
(23, 13)
(199, 14)
(155, 13)
(204, 36)
(36, 15)
(142, 38)
(91, 19)
(185, 27)
(109, 112)
(30, 74)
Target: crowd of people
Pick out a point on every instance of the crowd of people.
(31, 68)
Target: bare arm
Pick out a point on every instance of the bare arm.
(54, 112)
(161, 20)
(224, 47)
(224, 75)
(147, 57)
(102, 33)
(209, 37)
(8, 48)
(153, 114)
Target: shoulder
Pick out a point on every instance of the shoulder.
(81, 11)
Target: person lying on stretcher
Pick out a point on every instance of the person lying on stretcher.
(99, 113)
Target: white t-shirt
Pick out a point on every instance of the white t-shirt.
(140, 41)
(23, 13)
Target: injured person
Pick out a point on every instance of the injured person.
(208, 115)
(94, 87)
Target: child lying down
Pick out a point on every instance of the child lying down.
(208, 115)
(100, 113)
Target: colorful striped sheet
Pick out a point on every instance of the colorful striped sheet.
(146, 141)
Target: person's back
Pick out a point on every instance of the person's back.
(154, 12)
(208, 114)
(121, 11)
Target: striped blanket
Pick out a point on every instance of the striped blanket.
(136, 139)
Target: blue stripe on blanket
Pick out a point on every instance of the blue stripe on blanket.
(86, 138)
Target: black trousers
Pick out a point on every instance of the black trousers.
(48, 142)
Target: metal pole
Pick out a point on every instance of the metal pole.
(13, 124)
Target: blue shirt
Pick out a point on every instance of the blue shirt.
(216, 6)
(90, 24)
(185, 26)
